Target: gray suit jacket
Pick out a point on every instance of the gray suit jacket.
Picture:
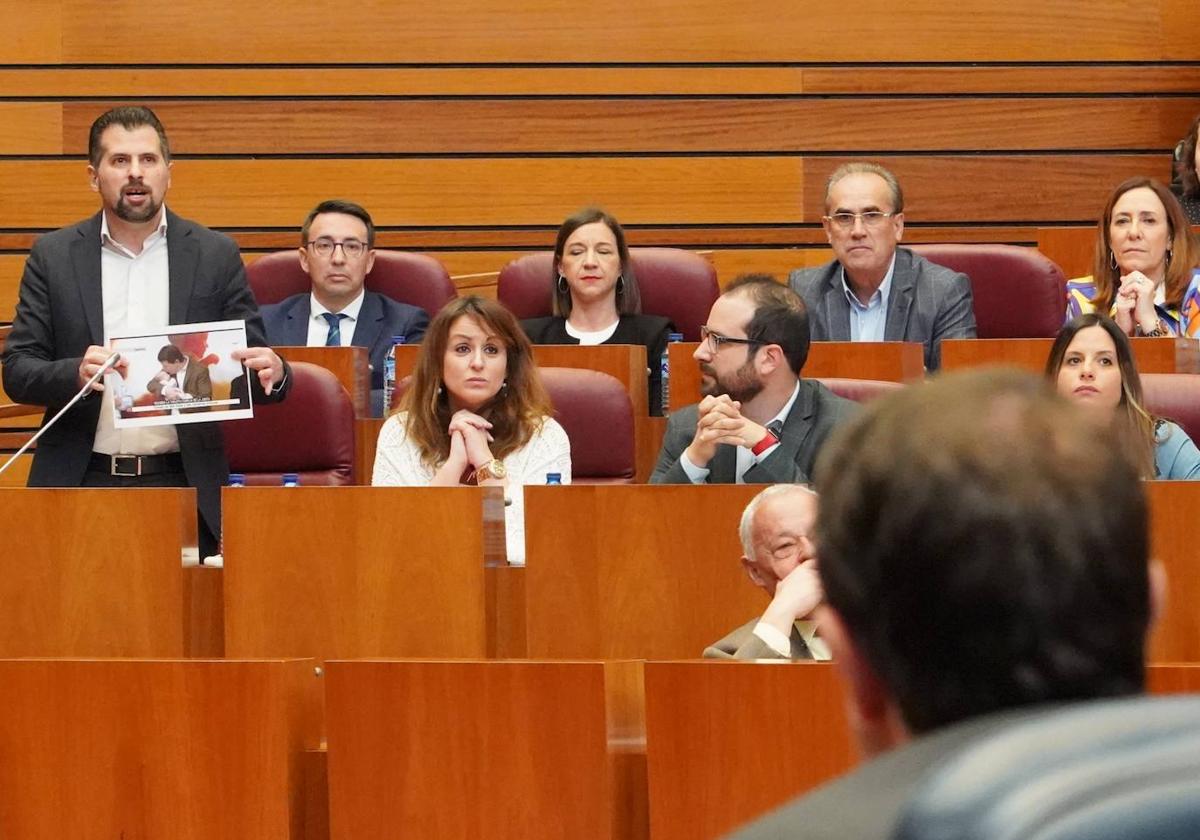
(743, 644)
(61, 311)
(927, 303)
(815, 413)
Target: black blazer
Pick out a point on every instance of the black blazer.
(650, 331)
(60, 313)
(379, 319)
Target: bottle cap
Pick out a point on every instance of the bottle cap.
(237, 480)
(398, 339)
(554, 478)
(673, 337)
(291, 478)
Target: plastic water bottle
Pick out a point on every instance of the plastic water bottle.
(237, 480)
(291, 479)
(553, 478)
(389, 374)
(665, 367)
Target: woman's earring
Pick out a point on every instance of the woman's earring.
(620, 284)
(1112, 259)
(1168, 256)
(440, 390)
(562, 284)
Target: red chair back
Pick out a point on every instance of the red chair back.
(860, 390)
(595, 411)
(1175, 396)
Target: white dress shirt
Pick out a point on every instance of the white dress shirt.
(136, 292)
(318, 327)
(867, 321)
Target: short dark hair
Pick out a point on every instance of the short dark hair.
(1185, 166)
(338, 205)
(780, 316)
(170, 353)
(982, 553)
(629, 296)
(128, 117)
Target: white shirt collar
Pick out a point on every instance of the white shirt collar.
(350, 310)
(106, 238)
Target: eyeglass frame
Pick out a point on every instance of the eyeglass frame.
(715, 339)
(877, 218)
(334, 245)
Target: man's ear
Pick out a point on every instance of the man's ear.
(870, 710)
(93, 178)
(370, 261)
(769, 358)
(304, 258)
(898, 221)
(752, 572)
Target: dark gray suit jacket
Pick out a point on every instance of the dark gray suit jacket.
(815, 413)
(379, 319)
(927, 303)
(60, 313)
(743, 644)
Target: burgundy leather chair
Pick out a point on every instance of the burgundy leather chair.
(310, 433)
(675, 283)
(595, 411)
(1018, 292)
(1175, 396)
(860, 390)
(410, 278)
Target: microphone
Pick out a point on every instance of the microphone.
(87, 386)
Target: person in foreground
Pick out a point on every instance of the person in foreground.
(596, 299)
(981, 559)
(1091, 363)
(1144, 271)
(1187, 168)
(475, 413)
(337, 252)
(779, 558)
(134, 265)
(758, 423)
(874, 290)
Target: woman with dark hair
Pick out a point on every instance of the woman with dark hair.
(1092, 364)
(475, 413)
(1187, 167)
(1144, 270)
(596, 298)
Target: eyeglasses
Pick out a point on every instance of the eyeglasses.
(870, 219)
(352, 248)
(715, 340)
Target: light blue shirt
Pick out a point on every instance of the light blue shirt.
(867, 320)
(1175, 456)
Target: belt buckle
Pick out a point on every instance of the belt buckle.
(132, 471)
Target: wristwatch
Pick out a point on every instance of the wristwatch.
(492, 469)
(769, 440)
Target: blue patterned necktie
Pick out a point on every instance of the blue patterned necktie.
(334, 339)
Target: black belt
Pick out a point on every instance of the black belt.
(135, 465)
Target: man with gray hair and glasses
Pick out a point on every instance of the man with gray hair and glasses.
(873, 290)
(779, 557)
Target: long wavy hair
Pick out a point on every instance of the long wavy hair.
(516, 411)
(1186, 165)
(629, 296)
(1134, 425)
(1181, 252)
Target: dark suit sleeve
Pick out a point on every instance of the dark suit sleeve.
(417, 326)
(680, 430)
(31, 373)
(955, 317)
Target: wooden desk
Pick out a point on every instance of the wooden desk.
(446, 750)
(185, 750)
(635, 571)
(354, 571)
(349, 364)
(728, 741)
(1174, 507)
(95, 572)
(889, 361)
(1153, 355)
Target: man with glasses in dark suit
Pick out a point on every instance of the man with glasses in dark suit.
(759, 422)
(873, 290)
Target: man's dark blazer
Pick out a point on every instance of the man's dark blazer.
(815, 413)
(927, 303)
(60, 313)
(379, 319)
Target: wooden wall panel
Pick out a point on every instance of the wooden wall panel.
(424, 126)
(31, 128)
(11, 266)
(697, 80)
(270, 31)
(543, 191)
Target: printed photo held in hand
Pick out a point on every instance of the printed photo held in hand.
(190, 375)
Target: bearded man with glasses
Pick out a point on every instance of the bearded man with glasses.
(337, 251)
(873, 290)
(759, 422)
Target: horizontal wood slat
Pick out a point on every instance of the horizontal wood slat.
(631, 125)
(335, 81)
(640, 190)
(550, 31)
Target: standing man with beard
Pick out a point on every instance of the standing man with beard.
(758, 423)
(134, 265)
